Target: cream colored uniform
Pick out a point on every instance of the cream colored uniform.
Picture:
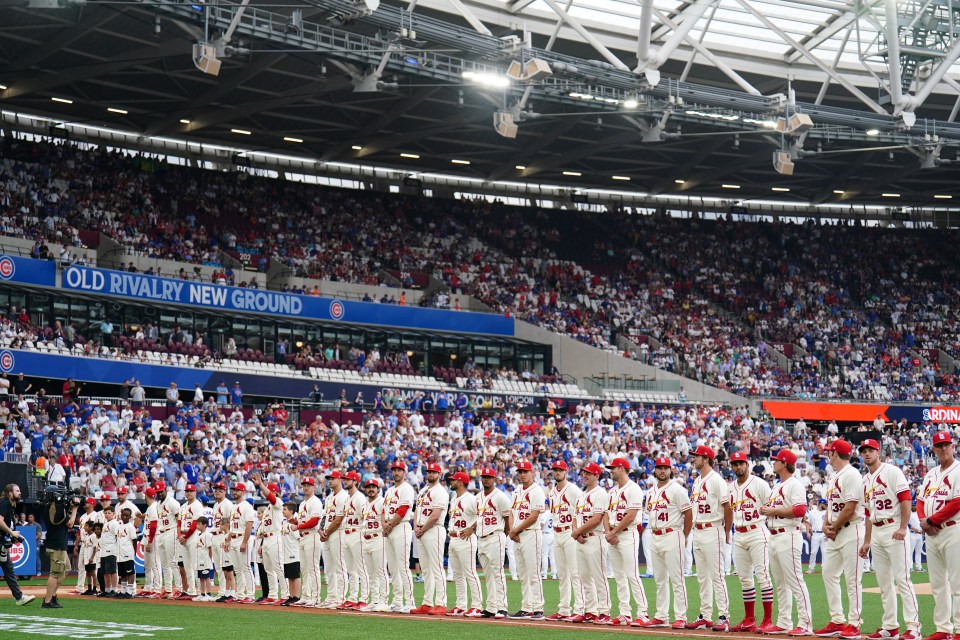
(242, 514)
(841, 555)
(592, 554)
(373, 553)
(943, 561)
(786, 564)
(166, 540)
(310, 548)
(204, 550)
(353, 555)
(751, 542)
(221, 510)
(95, 517)
(189, 513)
(127, 504)
(463, 551)
(624, 555)
(710, 493)
(666, 506)
(891, 558)
(399, 541)
(525, 502)
(152, 575)
(563, 505)
(492, 511)
(335, 566)
(431, 500)
(271, 547)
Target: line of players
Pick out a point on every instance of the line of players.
(364, 539)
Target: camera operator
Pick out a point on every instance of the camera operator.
(59, 513)
(8, 535)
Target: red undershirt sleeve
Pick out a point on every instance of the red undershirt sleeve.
(153, 531)
(402, 509)
(948, 511)
(920, 513)
(799, 510)
(309, 524)
(903, 495)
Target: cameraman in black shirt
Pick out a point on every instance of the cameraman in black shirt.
(8, 516)
(59, 513)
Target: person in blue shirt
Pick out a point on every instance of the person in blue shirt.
(236, 395)
(442, 402)
(222, 393)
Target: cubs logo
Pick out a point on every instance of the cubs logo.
(18, 554)
(7, 361)
(139, 552)
(337, 310)
(7, 268)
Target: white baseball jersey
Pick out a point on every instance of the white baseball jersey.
(789, 493)
(527, 501)
(167, 513)
(429, 501)
(880, 491)
(355, 510)
(126, 504)
(847, 486)
(221, 510)
(204, 545)
(667, 504)
(108, 539)
(337, 507)
(398, 496)
(563, 506)
(151, 515)
(291, 546)
(710, 493)
(310, 508)
(747, 499)
(939, 487)
(591, 503)
(622, 500)
(492, 511)
(463, 513)
(189, 514)
(272, 517)
(126, 542)
(372, 516)
(815, 517)
(242, 514)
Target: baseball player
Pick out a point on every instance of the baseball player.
(241, 527)
(334, 565)
(622, 524)
(751, 542)
(189, 512)
(712, 518)
(529, 502)
(126, 549)
(373, 549)
(916, 538)
(815, 518)
(463, 547)
(563, 505)
(589, 513)
(398, 503)
(125, 503)
(220, 529)
(90, 514)
(356, 597)
(548, 561)
(151, 564)
(431, 509)
(937, 507)
(844, 530)
(784, 512)
(309, 514)
(291, 553)
(670, 514)
(887, 502)
(646, 537)
(494, 520)
(271, 541)
(168, 510)
(204, 555)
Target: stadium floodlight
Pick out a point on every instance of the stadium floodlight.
(504, 124)
(795, 125)
(346, 11)
(783, 163)
(487, 79)
(205, 58)
(533, 71)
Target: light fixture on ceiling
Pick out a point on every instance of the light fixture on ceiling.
(783, 163)
(485, 79)
(872, 132)
(412, 156)
(533, 71)
(356, 147)
(730, 186)
(242, 132)
(890, 195)
(943, 197)
(623, 178)
(631, 103)
(781, 189)
(291, 139)
(520, 167)
(122, 112)
(3, 87)
(62, 100)
(679, 181)
(184, 121)
(460, 161)
(575, 174)
(839, 192)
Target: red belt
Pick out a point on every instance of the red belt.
(236, 535)
(349, 531)
(487, 535)
(370, 536)
(784, 530)
(705, 525)
(749, 527)
(269, 534)
(949, 523)
(662, 532)
(562, 529)
(883, 523)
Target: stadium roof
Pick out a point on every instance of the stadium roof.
(713, 79)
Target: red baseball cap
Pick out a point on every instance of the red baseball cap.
(239, 487)
(159, 486)
(92, 501)
(352, 475)
(869, 443)
(524, 465)
(663, 462)
(103, 497)
(433, 467)
(219, 485)
(375, 482)
(705, 451)
(190, 487)
(335, 475)
(150, 493)
(273, 487)
(309, 481)
(461, 476)
(840, 446)
(619, 462)
(739, 456)
(559, 464)
(593, 468)
(488, 472)
(786, 456)
(121, 490)
(942, 437)
(397, 464)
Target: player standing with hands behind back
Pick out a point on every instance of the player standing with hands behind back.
(712, 518)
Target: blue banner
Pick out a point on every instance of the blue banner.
(213, 296)
(28, 271)
(23, 553)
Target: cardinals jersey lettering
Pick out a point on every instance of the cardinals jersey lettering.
(463, 512)
(939, 487)
(242, 514)
(272, 518)
(747, 500)
(337, 507)
(398, 496)
(666, 506)
(789, 493)
(880, 491)
(309, 509)
(492, 511)
(623, 500)
(354, 511)
(526, 502)
(429, 501)
(167, 513)
(591, 503)
(372, 516)
(189, 513)
(563, 506)
(846, 486)
(710, 493)
(221, 510)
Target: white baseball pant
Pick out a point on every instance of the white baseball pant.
(528, 568)
(220, 560)
(752, 552)
(188, 552)
(151, 569)
(490, 551)
(727, 558)
(310, 550)
(646, 542)
(592, 558)
(335, 569)
(373, 553)
(242, 568)
(463, 563)
(688, 556)
(943, 563)
(568, 572)
(431, 565)
(891, 560)
(816, 544)
(548, 562)
(666, 551)
(626, 572)
(398, 562)
(356, 569)
(708, 545)
(81, 571)
(841, 556)
(167, 557)
(786, 569)
(271, 548)
(512, 558)
(916, 549)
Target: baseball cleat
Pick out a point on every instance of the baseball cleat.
(438, 610)
(590, 617)
(368, 608)
(576, 619)
(556, 617)
(345, 605)
(641, 621)
(456, 611)
(621, 621)
(885, 634)
(699, 623)
(772, 630)
(423, 609)
(473, 613)
(799, 632)
(831, 630)
(679, 624)
(383, 609)
(850, 632)
(749, 625)
(654, 623)
(602, 619)
(520, 615)
(536, 615)
(357, 606)
(722, 625)
(909, 634)
(939, 635)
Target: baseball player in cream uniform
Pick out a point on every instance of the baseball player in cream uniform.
(494, 520)
(89, 515)
(335, 568)
(844, 530)
(398, 502)
(220, 529)
(271, 541)
(168, 510)
(622, 524)
(189, 512)
(431, 509)
(887, 506)
(712, 519)
(529, 501)
(916, 539)
(357, 582)
(751, 543)
(463, 548)
(816, 517)
(784, 511)
(938, 504)
(241, 528)
(592, 549)
(151, 565)
(373, 550)
(309, 515)
(563, 505)
(125, 503)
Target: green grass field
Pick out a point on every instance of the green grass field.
(90, 618)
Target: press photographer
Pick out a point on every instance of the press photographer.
(8, 536)
(59, 512)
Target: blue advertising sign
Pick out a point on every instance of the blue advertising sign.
(28, 271)
(23, 553)
(214, 296)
